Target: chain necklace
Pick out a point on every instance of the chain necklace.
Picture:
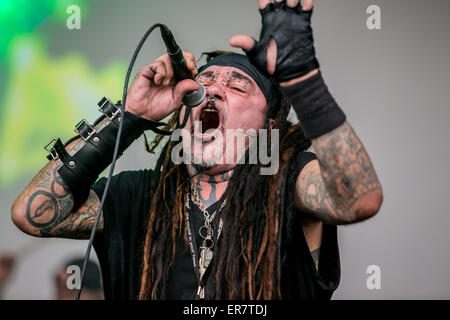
(206, 232)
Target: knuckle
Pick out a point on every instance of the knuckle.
(159, 63)
(160, 67)
(142, 69)
(162, 57)
(188, 55)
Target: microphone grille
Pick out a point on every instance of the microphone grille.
(194, 98)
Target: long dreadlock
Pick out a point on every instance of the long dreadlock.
(257, 219)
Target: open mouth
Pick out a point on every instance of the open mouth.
(210, 119)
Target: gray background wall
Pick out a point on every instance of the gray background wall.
(393, 85)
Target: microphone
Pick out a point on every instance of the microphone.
(180, 70)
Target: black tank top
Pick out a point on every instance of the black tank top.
(120, 246)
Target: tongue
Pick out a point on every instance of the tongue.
(210, 120)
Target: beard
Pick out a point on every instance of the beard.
(205, 154)
(209, 157)
(204, 166)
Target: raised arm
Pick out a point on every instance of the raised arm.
(341, 186)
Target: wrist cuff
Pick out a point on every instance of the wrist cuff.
(315, 107)
(81, 169)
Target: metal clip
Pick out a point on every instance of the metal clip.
(81, 127)
(52, 151)
(103, 107)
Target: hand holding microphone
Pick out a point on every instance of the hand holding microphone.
(159, 88)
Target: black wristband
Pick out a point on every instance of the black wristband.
(81, 170)
(315, 107)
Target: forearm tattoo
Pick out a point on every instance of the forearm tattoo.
(49, 207)
(346, 174)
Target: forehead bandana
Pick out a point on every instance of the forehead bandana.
(242, 63)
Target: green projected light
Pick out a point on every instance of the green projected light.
(23, 16)
(41, 96)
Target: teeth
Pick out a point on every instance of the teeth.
(210, 110)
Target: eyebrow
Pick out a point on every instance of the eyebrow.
(206, 73)
(235, 74)
(240, 76)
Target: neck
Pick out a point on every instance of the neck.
(210, 187)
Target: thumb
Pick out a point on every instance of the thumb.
(183, 87)
(242, 41)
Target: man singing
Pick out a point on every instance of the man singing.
(211, 228)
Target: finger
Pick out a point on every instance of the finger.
(263, 3)
(271, 56)
(307, 5)
(168, 67)
(146, 72)
(189, 58)
(190, 62)
(192, 67)
(292, 3)
(159, 69)
(242, 41)
(184, 87)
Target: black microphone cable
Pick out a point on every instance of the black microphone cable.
(116, 149)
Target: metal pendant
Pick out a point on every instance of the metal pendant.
(206, 255)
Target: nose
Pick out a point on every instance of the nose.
(215, 91)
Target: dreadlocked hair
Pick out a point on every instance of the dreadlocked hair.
(257, 219)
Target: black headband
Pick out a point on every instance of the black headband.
(241, 62)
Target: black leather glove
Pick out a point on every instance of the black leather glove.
(291, 28)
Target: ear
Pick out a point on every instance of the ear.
(271, 123)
